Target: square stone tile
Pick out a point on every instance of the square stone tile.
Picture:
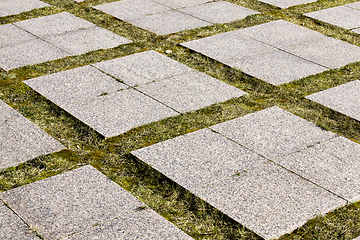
(181, 3)
(54, 24)
(199, 158)
(269, 200)
(355, 5)
(70, 202)
(277, 67)
(145, 225)
(11, 7)
(333, 165)
(132, 9)
(87, 40)
(12, 227)
(340, 16)
(344, 99)
(218, 12)
(190, 91)
(273, 132)
(287, 3)
(168, 22)
(28, 53)
(119, 112)
(327, 51)
(10, 35)
(144, 67)
(74, 85)
(7, 113)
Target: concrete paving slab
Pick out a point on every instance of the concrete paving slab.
(218, 12)
(70, 202)
(355, 5)
(344, 99)
(132, 9)
(168, 22)
(87, 40)
(12, 227)
(273, 132)
(145, 225)
(277, 67)
(144, 67)
(119, 112)
(269, 200)
(12, 7)
(7, 113)
(199, 158)
(28, 53)
(327, 51)
(190, 91)
(181, 3)
(287, 3)
(333, 165)
(74, 85)
(10, 35)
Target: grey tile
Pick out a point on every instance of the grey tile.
(54, 24)
(199, 158)
(131, 9)
(74, 85)
(87, 40)
(119, 112)
(218, 12)
(277, 67)
(333, 165)
(10, 35)
(191, 91)
(269, 200)
(327, 51)
(344, 98)
(11, 7)
(340, 16)
(28, 53)
(145, 225)
(273, 132)
(356, 30)
(70, 202)
(7, 113)
(181, 3)
(168, 22)
(355, 5)
(12, 227)
(144, 67)
(287, 3)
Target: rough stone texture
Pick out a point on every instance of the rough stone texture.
(344, 98)
(355, 5)
(143, 224)
(181, 3)
(119, 112)
(273, 132)
(11, 7)
(12, 227)
(287, 3)
(199, 158)
(277, 67)
(168, 22)
(341, 16)
(70, 202)
(87, 40)
(191, 91)
(218, 12)
(74, 85)
(10, 35)
(269, 200)
(333, 165)
(144, 67)
(7, 113)
(356, 30)
(327, 51)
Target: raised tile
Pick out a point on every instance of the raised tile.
(11, 7)
(181, 3)
(356, 30)
(199, 158)
(287, 3)
(344, 99)
(273, 132)
(10, 35)
(7, 113)
(355, 5)
(190, 91)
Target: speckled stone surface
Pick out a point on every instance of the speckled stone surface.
(144, 67)
(145, 225)
(269, 200)
(190, 91)
(199, 158)
(11, 7)
(273, 132)
(7, 113)
(344, 99)
(12, 227)
(341, 16)
(181, 3)
(356, 30)
(355, 5)
(70, 202)
(10, 35)
(287, 3)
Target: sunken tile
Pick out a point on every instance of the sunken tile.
(287, 3)
(180, 3)
(10, 35)
(11, 7)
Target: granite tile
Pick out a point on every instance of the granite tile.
(180, 3)
(7, 113)
(10, 35)
(12, 7)
(356, 30)
(287, 3)
(355, 5)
